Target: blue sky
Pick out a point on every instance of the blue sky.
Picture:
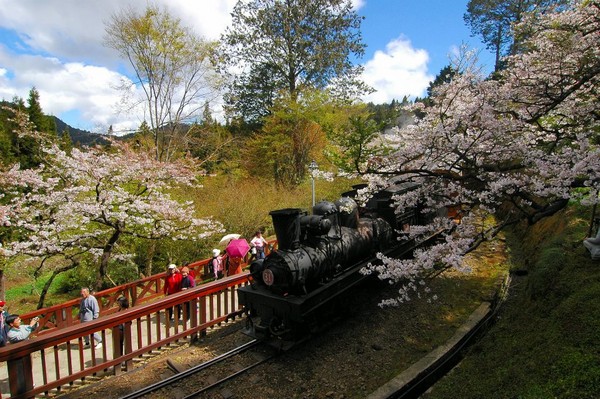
(56, 46)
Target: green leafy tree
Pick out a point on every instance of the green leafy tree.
(214, 147)
(493, 21)
(288, 47)
(445, 76)
(251, 96)
(291, 137)
(35, 113)
(359, 142)
(26, 148)
(174, 67)
(207, 118)
(66, 143)
(5, 145)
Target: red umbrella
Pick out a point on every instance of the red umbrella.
(237, 248)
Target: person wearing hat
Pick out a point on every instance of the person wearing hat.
(172, 284)
(217, 264)
(18, 332)
(3, 325)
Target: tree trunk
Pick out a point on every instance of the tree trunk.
(106, 252)
(150, 257)
(498, 48)
(2, 285)
(55, 273)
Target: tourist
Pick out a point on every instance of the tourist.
(172, 284)
(234, 265)
(123, 305)
(3, 325)
(88, 311)
(259, 243)
(216, 264)
(18, 332)
(187, 281)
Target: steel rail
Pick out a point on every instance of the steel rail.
(223, 380)
(184, 374)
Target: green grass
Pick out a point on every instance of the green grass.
(22, 296)
(545, 343)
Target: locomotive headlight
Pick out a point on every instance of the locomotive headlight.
(268, 277)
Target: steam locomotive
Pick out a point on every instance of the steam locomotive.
(296, 289)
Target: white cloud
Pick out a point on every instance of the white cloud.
(57, 47)
(63, 87)
(209, 20)
(358, 4)
(399, 71)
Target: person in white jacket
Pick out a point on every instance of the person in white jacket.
(259, 243)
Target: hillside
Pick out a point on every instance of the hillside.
(545, 341)
(78, 136)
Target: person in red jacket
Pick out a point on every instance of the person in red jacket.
(172, 284)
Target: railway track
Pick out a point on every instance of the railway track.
(210, 374)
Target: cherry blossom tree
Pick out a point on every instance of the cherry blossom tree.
(515, 148)
(83, 203)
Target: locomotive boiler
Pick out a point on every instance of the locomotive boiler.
(314, 248)
(299, 287)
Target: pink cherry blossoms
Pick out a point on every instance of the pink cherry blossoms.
(515, 147)
(83, 203)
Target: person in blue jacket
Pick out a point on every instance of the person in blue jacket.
(18, 332)
(88, 311)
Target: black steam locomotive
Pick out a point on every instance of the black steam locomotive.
(297, 288)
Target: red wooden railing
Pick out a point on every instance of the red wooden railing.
(46, 364)
(55, 357)
(137, 292)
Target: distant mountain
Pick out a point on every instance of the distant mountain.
(78, 136)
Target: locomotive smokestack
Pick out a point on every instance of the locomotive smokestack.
(287, 227)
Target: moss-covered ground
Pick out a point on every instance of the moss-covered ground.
(546, 340)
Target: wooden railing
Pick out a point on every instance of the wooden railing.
(49, 362)
(55, 357)
(137, 292)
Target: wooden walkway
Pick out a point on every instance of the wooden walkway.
(56, 360)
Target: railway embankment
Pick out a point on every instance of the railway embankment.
(416, 379)
(544, 343)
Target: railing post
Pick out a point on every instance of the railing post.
(20, 375)
(133, 297)
(193, 315)
(202, 305)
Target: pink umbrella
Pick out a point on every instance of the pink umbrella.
(237, 248)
